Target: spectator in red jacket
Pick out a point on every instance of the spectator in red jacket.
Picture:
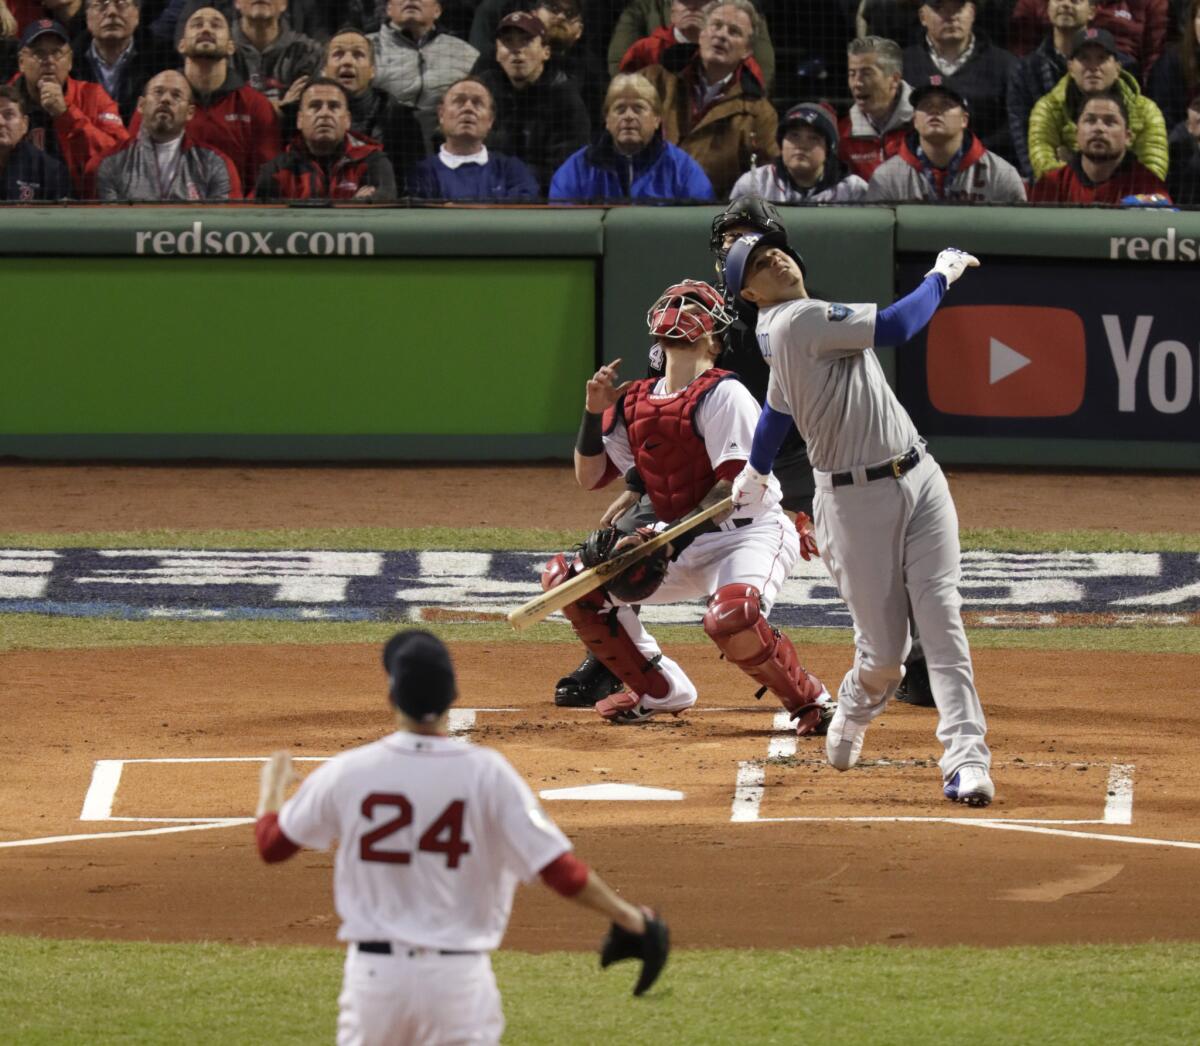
(1139, 27)
(687, 19)
(67, 13)
(874, 128)
(231, 116)
(327, 162)
(1104, 170)
(72, 120)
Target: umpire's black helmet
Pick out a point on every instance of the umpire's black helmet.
(421, 680)
(753, 211)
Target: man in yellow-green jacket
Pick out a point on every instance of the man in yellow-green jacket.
(1093, 66)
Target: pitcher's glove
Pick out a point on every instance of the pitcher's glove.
(640, 580)
(652, 947)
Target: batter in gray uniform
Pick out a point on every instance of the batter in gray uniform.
(885, 522)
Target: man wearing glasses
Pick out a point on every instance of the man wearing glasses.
(116, 53)
(74, 121)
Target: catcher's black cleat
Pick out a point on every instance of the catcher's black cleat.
(914, 687)
(590, 682)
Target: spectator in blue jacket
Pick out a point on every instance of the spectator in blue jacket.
(631, 160)
(464, 168)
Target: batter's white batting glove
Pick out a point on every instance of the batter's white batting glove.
(749, 487)
(952, 263)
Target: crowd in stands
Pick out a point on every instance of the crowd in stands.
(601, 101)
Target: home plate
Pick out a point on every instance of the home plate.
(612, 792)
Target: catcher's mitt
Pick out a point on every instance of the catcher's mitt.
(638, 581)
(652, 947)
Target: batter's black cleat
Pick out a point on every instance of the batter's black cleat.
(589, 683)
(914, 687)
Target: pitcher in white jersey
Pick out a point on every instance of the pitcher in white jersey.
(885, 522)
(433, 836)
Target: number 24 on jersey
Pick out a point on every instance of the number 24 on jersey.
(444, 836)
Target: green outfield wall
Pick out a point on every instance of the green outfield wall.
(313, 333)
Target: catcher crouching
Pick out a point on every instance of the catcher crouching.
(685, 436)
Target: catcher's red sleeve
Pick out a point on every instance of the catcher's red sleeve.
(273, 845)
(729, 469)
(566, 874)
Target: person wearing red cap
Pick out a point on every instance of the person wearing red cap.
(540, 118)
(941, 160)
(807, 169)
(1094, 67)
(687, 434)
(74, 121)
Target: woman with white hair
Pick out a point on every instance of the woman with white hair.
(630, 160)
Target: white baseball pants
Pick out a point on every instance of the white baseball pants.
(889, 543)
(761, 554)
(426, 998)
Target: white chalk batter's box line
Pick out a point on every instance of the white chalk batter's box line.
(751, 788)
(749, 791)
(1118, 806)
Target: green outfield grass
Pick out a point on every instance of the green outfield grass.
(506, 538)
(42, 632)
(65, 992)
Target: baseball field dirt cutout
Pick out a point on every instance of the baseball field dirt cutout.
(1092, 837)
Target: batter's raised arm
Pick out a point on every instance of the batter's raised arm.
(900, 321)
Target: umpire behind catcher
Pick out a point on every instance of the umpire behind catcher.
(592, 681)
(433, 835)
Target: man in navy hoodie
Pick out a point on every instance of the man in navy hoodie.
(27, 173)
(631, 160)
(464, 168)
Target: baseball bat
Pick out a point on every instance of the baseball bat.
(579, 586)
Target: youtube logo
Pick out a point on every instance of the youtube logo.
(1006, 361)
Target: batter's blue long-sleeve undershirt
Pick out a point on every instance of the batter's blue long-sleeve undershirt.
(902, 319)
(893, 326)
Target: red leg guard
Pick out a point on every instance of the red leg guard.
(734, 621)
(600, 630)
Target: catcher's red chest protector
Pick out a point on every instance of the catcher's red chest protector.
(668, 451)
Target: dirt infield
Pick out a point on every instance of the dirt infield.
(750, 855)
